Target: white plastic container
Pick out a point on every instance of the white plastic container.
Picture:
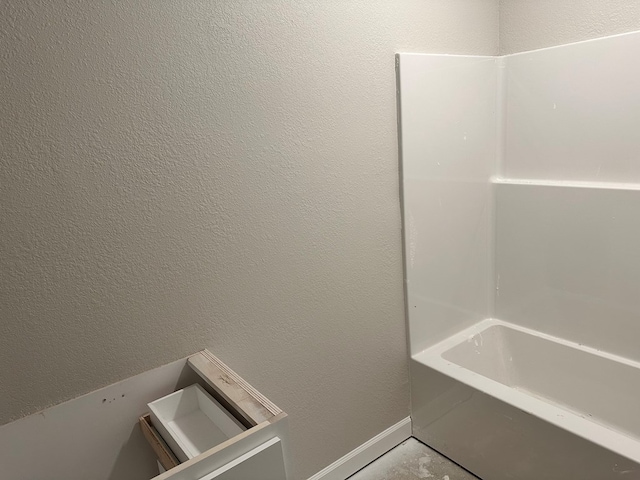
(192, 422)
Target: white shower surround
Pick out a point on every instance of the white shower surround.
(521, 204)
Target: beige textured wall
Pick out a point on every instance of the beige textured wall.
(531, 24)
(179, 175)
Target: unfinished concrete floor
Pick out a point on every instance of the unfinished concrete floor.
(412, 460)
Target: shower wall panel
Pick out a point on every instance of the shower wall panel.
(448, 141)
(572, 112)
(568, 263)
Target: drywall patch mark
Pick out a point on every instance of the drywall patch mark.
(621, 472)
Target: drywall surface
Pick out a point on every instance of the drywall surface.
(95, 436)
(181, 175)
(530, 24)
(448, 125)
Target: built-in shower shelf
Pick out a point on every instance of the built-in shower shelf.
(571, 184)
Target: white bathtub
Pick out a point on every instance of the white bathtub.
(508, 402)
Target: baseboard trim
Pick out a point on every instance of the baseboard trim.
(366, 453)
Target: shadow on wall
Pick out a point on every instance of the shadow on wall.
(136, 460)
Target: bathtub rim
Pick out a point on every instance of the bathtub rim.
(607, 438)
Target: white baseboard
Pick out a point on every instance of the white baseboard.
(366, 453)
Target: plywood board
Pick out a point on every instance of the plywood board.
(233, 391)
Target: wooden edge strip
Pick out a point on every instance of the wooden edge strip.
(236, 400)
(247, 402)
(268, 404)
(277, 418)
(165, 456)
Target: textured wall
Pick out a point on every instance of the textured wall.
(530, 24)
(180, 175)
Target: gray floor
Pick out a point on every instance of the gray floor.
(411, 460)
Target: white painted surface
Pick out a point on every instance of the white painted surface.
(492, 398)
(366, 453)
(212, 174)
(228, 457)
(500, 370)
(448, 139)
(95, 436)
(261, 463)
(572, 112)
(599, 387)
(528, 25)
(191, 421)
(526, 405)
(567, 262)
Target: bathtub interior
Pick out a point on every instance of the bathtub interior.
(600, 387)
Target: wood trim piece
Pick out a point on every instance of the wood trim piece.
(165, 456)
(253, 407)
